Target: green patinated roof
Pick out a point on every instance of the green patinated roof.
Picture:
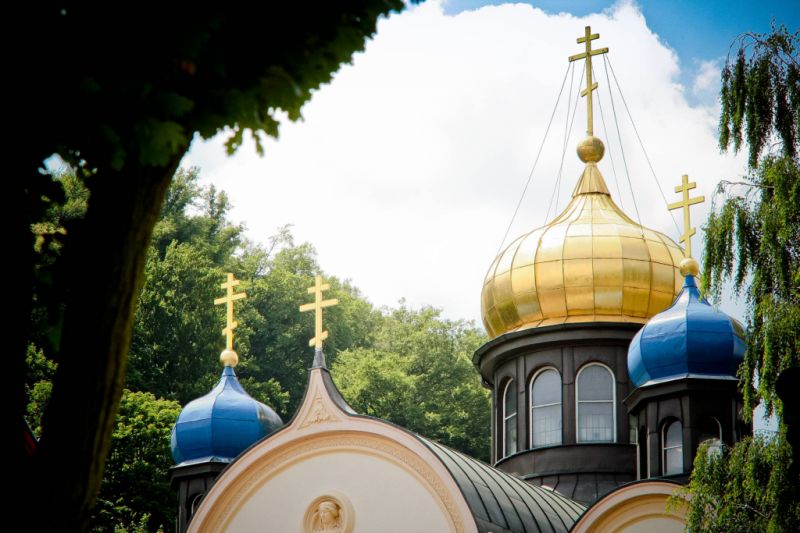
(502, 503)
(499, 502)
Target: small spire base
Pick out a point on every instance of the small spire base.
(319, 360)
(591, 182)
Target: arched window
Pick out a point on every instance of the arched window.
(196, 500)
(711, 433)
(595, 392)
(509, 419)
(546, 408)
(673, 448)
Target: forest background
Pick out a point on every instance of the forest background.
(409, 366)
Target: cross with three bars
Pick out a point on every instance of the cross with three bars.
(228, 299)
(587, 92)
(317, 305)
(684, 204)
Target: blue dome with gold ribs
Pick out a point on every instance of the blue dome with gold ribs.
(222, 424)
(688, 339)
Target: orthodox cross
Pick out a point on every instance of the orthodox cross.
(587, 92)
(228, 299)
(317, 305)
(688, 231)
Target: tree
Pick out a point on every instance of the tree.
(135, 490)
(754, 236)
(279, 342)
(419, 375)
(753, 239)
(176, 338)
(118, 92)
(745, 488)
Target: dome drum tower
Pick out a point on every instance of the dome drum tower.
(571, 438)
(683, 366)
(562, 304)
(697, 410)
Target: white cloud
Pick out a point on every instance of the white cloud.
(707, 77)
(407, 167)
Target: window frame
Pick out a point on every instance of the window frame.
(613, 405)
(664, 429)
(532, 407)
(715, 442)
(504, 419)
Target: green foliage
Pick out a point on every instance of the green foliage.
(419, 374)
(135, 491)
(745, 488)
(755, 240)
(279, 341)
(197, 216)
(135, 86)
(411, 367)
(177, 340)
(66, 207)
(176, 336)
(221, 72)
(38, 386)
(760, 94)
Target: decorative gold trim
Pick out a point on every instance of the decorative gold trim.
(632, 504)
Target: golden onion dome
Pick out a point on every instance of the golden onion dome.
(592, 263)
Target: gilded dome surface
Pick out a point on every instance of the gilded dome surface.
(592, 263)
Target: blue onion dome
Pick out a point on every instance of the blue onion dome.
(223, 423)
(689, 339)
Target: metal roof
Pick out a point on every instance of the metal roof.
(503, 503)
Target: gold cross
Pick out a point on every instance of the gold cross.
(588, 38)
(316, 306)
(688, 231)
(229, 299)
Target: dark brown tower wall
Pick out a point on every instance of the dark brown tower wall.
(584, 471)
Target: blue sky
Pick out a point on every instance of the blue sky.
(698, 31)
(694, 29)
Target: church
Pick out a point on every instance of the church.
(607, 369)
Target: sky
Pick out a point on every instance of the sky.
(406, 168)
(696, 30)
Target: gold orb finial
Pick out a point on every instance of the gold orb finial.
(689, 267)
(229, 358)
(591, 149)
